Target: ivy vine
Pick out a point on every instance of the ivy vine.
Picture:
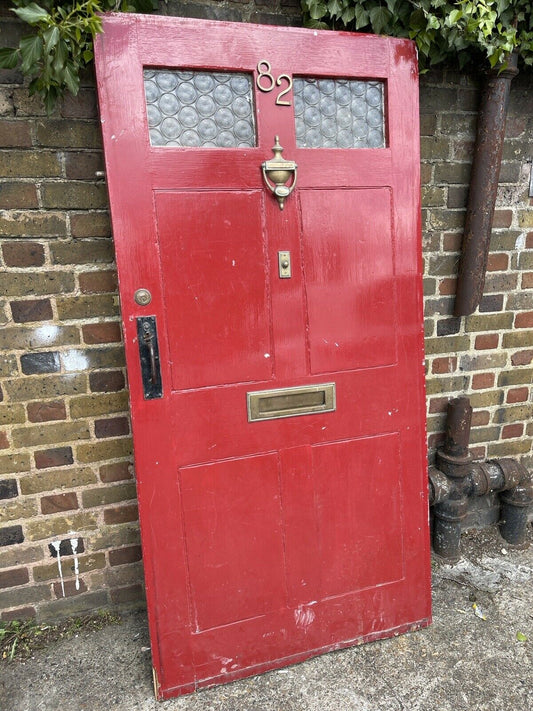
(60, 44)
(469, 31)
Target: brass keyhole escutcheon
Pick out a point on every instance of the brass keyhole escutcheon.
(276, 173)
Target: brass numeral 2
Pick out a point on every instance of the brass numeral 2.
(264, 74)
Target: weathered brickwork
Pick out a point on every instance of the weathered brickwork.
(66, 467)
(485, 355)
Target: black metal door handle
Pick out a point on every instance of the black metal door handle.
(149, 357)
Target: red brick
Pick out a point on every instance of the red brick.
(31, 310)
(121, 514)
(451, 241)
(480, 418)
(106, 381)
(447, 287)
(438, 404)
(70, 588)
(481, 381)
(502, 218)
(46, 411)
(108, 332)
(83, 166)
(524, 320)
(522, 358)
(98, 282)
(527, 280)
(122, 556)
(81, 106)
(119, 471)
(21, 613)
(59, 502)
(111, 427)
(57, 457)
(514, 430)
(131, 593)
(13, 577)
(4, 441)
(16, 195)
(23, 254)
(497, 262)
(444, 365)
(529, 240)
(486, 341)
(518, 395)
(15, 134)
(478, 453)
(436, 440)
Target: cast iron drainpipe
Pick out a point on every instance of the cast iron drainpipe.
(486, 163)
(456, 479)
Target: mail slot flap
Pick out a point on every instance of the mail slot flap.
(290, 402)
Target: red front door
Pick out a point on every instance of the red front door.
(275, 356)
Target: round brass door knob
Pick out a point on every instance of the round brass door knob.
(142, 297)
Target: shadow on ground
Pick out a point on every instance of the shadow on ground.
(460, 663)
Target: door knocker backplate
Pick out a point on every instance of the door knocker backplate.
(276, 173)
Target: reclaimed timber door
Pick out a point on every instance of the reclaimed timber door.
(271, 304)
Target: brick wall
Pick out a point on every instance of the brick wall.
(66, 468)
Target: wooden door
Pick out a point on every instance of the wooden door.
(275, 356)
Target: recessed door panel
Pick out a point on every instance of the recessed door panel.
(348, 250)
(359, 513)
(281, 468)
(212, 250)
(234, 539)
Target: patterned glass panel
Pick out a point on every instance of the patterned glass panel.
(339, 113)
(202, 109)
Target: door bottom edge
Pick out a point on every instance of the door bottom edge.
(263, 667)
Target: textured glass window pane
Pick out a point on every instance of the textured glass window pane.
(206, 110)
(339, 113)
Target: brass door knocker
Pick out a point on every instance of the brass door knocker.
(276, 173)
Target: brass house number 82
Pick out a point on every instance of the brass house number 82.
(266, 82)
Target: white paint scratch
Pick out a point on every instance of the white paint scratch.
(267, 355)
(56, 545)
(304, 617)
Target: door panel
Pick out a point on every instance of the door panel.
(215, 287)
(268, 541)
(349, 284)
(359, 514)
(232, 519)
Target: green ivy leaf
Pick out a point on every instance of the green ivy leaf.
(31, 49)
(362, 17)
(317, 9)
(51, 38)
(71, 78)
(521, 637)
(379, 17)
(32, 13)
(9, 58)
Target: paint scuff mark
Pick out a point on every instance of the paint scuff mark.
(521, 241)
(304, 617)
(74, 546)
(56, 545)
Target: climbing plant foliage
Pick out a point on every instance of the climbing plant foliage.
(470, 31)
(59, 43)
